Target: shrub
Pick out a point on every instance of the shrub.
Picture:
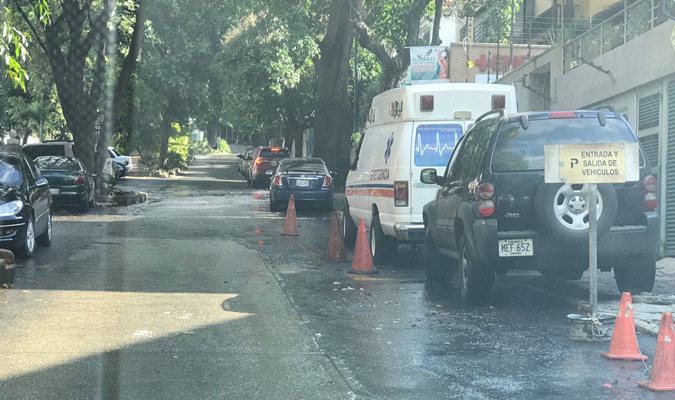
(223, 147)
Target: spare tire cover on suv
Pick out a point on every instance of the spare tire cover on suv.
(562, 211)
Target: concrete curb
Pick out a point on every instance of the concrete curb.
(123, 199)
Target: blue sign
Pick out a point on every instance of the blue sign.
(434, 144)
(387, 152)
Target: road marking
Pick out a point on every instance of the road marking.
(368, 278)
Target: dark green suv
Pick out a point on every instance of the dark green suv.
(493, 212)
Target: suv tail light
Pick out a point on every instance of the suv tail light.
(277, 180)
(498, 101)
(485, 194)
(649, 187)
(78, 179)
(401, 194)
(327, 181)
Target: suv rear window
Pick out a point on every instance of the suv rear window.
(57, 163)
(303, 165)
(268, 153)
(519, 149)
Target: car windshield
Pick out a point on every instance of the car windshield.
(271, 153)
(10, 171)
(57, 164)
(303, 165)
(519, 149)
(44, 150)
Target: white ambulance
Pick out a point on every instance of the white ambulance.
(409, 129)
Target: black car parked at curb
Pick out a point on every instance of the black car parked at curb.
(69, 181)
(493, 193)
(25, 205)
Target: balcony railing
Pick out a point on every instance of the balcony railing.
(617, 30)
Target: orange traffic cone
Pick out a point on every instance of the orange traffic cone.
(291, 223)
(624, 344)
(336, 248)
(362, 263)
(663, 368)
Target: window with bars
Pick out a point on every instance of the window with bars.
(649, 111)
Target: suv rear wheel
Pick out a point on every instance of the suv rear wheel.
(475, 279)
(381, 246)
(636, 277)
(435, 265)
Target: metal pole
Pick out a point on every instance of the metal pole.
(356, 82)
(499, 38)
(488, 65)
(562, 15)
(513, 5)
(593, 247)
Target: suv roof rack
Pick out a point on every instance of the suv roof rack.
(502, 113)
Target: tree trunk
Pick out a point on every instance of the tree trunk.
(129, 64)
(212, 133)
(334, 116)
(166, 135)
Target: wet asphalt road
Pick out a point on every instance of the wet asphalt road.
(195, 295)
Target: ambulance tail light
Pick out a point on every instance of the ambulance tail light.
(498, 101)
(401, 194)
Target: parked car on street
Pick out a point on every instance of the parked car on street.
(69, 181)
(307, 179)
(493, 211)
(263, 161)
(25, 205)
(243, 160)
(124, 161)
(409, 129)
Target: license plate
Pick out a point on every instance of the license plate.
(515, 247)
(55, 192)
(302, 183)
(269, 172)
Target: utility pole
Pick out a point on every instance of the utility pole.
(513, 5)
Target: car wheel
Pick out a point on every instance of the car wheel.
(563, 213)
(27, 249)
(349, 229)
(435, 265)
(475, 279)
(381, 246)
(328, 206)
(85, 204)
(248, 180)
(45, 240)
(562, 274)
(636, 277)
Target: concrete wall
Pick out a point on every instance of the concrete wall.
(644, 59)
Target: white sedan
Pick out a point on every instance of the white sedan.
(120, 159)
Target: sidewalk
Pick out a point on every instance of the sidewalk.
(647, 307)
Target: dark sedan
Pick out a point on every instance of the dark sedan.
(307, 179)
(69, 181)
(25, 205)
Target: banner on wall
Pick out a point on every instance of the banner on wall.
(428, 64)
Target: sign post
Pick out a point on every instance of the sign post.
(591, 164)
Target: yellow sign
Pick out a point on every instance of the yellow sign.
(592, 163)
